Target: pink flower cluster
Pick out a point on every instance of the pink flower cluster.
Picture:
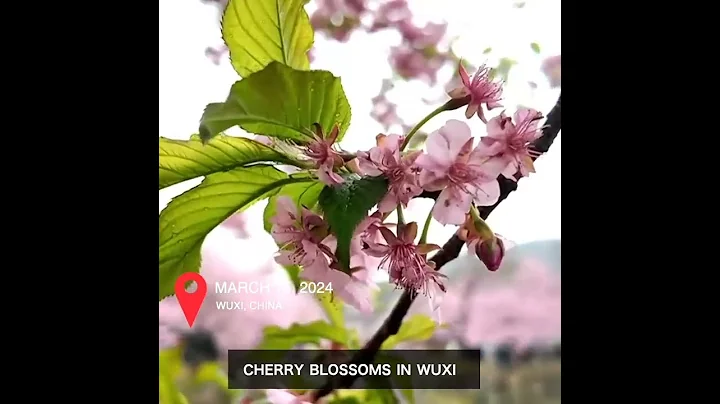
(463, 173)
(338, 18)
(417, 57)
(451, 165)
(305, 241)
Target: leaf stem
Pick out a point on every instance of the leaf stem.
(426, 228)
(420, 124)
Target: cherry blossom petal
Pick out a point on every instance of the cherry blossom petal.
(388, 203)
(445, 144)
(286, 212)
(277, 396)
(326, 174)
(528, 115)
(464, 75)
(366, 164)
(472, 109)
(452, 205)
(487, 194)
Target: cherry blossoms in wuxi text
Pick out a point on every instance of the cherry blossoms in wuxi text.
(458, 168)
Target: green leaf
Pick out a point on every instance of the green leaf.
(417, 328)
(278, 338)
(346, 400)
(381, 394)
(487, 50)
(188, 218)
(293, 272)
(332, 306)
(535, 47)
(182, 160)
(258, 32)
(281, 102)
(346, 205)
(408, 395)
(303, 194)
(170, 368)
(211, 372)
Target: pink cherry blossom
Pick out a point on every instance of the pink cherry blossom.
(353, 289)
(349, 8)
(389, 14)
(551, 69)
(338, 18)
(422, 37)
(510, 143)
(367, 235)
(384, 111)
(480, 90)
(215, 54)
(406, 263)
(300, 235)
(276, 396)
(306, 243)
(323, 22)
(463, 175)
(385, 159)
(369, 229)
(411, 63)
(321, 153)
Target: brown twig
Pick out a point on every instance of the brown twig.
(449, 251)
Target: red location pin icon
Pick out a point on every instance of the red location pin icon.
(190, 302)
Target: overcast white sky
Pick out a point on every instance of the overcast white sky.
(188, 81)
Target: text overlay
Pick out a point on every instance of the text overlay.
(310, 369)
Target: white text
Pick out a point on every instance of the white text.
(272, 369)
(252, 288)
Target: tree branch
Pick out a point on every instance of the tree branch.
(449, 251)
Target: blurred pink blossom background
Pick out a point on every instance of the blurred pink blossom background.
(519, 304)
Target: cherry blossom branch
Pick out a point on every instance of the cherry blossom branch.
(449, 252)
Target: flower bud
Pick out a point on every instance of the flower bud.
(491, 252)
